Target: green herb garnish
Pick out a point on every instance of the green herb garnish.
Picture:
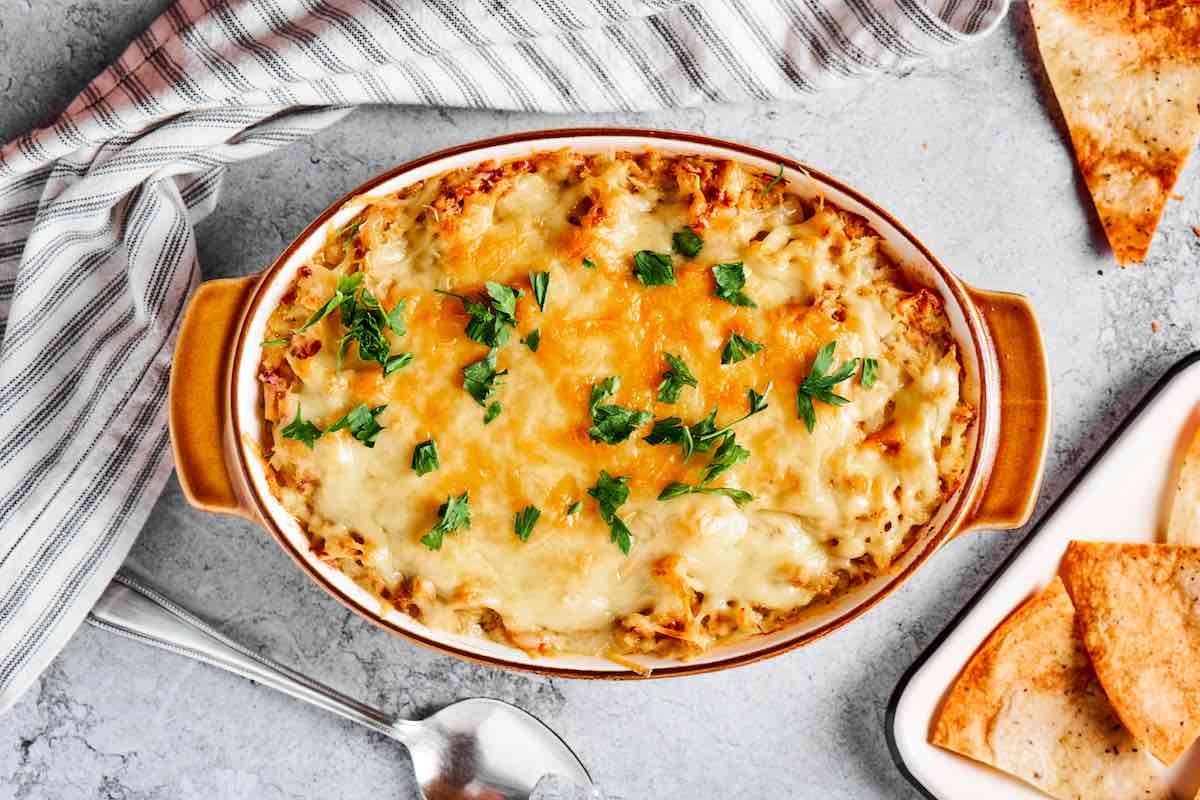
(738, 348)
(533, 340)
(540, 281)
(276, 342)
(481, 378)
(728, 454)
(819, 385)
(302, 430)
(361, 422)
(574, 507)
(493, 411)
(612, 424)
(674, 379)
(425, 457)
(699, 437)
(610, 494)
(870, 368)
(687, 242)
(731, 279)
(653, 269)
(398, 362)
(589, 264)
(490, 322)
(524, 520)
(778, 177)
(347, 285)
(455, 515)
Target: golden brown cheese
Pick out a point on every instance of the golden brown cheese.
(831, 507)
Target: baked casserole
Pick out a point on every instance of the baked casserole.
(610, 404)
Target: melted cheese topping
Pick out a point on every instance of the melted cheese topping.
(831, 507)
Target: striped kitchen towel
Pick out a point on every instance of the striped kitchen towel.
(98, 255)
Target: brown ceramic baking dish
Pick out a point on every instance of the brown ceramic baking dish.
(216, 421)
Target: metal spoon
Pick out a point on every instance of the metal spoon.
(476, 749)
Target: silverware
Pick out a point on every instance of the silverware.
(476, 749)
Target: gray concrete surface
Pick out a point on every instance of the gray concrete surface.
(970, 152)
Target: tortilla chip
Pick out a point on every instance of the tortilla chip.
(1137, 609)
(1184, 527)
(1127, 76)
(1029, 704)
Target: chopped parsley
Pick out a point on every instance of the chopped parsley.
(533, 340)
(610, 494)
(491, 321)
(276, 342)
(738, 348)
(700, 436)
(653, 269)
(612, 424)
(425, 457)
(524, 520)
(777, 179)
(731, 279)
(361, 422)
(493, 411)
(728, 455)
(455, 514)
(687, 242)
(870, 368)
(347, 285)
(540, 281)
(480, 378)
(398, 362)
(674, 379)
(302, 430)
(589, 264)
(819, 385)
(574, 508)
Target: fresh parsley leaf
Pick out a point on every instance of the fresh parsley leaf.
(778, 177)
(397, 362)
(736, 495)
(728, 455)
(675, 489)
(610, 494)
(302, 430)
(533, 340)
(425, 457)
(738, 348)
(455, 514)
(687, 242)
(574, 507)
(490, 322)
(481, 378)
(395, 318)
(819, 383)
(276, 342)
(612, 424)
(674, 379)
(493, 411)
(731, 279)
(346, 286)
(589, 264)
(540, 281)
(524, 521)
(700, 436)
(653, 269)
(361, 422)
(870, 368)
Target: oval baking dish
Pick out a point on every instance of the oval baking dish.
(218, 433)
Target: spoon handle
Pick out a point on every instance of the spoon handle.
(132, 609)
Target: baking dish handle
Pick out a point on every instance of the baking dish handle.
(199, 374)
(1008, 499)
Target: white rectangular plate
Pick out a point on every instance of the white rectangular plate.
(1122, 495)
